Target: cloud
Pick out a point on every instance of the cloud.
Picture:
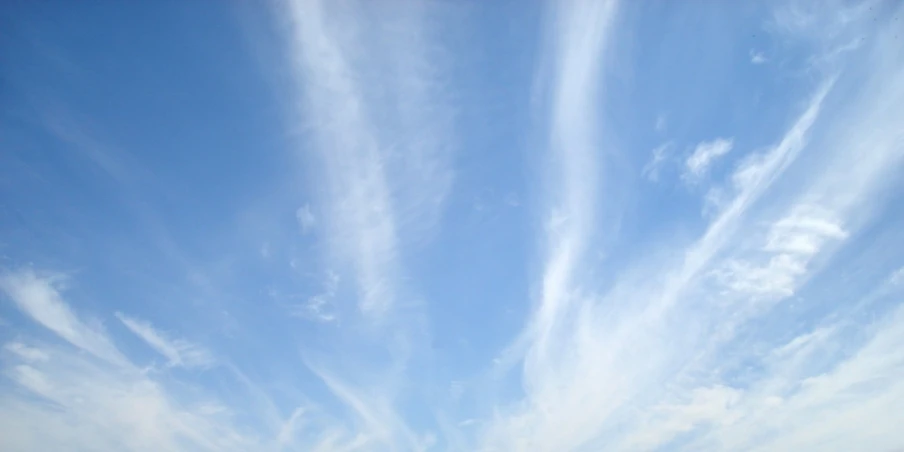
(178, 352)
(772, 323)
(380, 135)
(37, 297)
(306, 219)
(652, 168)
(792, 242)
(97, 404)
(661, 123)
(75, 401)
(512, 200)
(320, 307)
(378, 425)
(665, 358)
(385, 164)
(757, 57)
(849, 405)
(28, 354)
(579, 37)
(705, 405)
(703, 157)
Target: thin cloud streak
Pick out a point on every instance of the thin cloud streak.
(381, 132)
(178, 352)
(360, 197)
(385, 162)
(579, 34)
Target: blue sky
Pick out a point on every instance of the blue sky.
(452, 225)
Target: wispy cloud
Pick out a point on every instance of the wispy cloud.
(385, 163)
(104, 404)
(306, 219)
(656, 359)
(38, 298)
(661, 123)
(381, 136)
(29, 354)
(320, 307)
(115, 404)
(654, 166)
(773, 321)
(178, 352)
(579, 34)
(699, 162)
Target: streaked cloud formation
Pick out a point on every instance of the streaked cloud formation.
(431, 226)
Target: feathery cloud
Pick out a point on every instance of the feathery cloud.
(178, 352)
(697, 165)
(37, 297)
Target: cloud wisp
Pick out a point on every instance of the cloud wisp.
(380, 132)
(699, 162)
(650, 362)
(178, 352)
(95, 401)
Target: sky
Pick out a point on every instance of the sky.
(442, 225)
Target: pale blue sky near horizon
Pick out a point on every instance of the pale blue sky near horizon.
(435, 225)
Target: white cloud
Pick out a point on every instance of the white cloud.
(385, 164)
(579, 36)
(664, 354)
(178, 352)
(378, 424)
(512, 200)
(851, 405)
(95, 406)
(792, 242)
(321, 307)
(111, 404)
(29, 354)
(757, 57)
(695, 345)
(361, 201)
(897, 277)
(697, 165)
(661, 123)
(38, 297)
(381, 139)
(306, 219)
(105, 404)
(651, 169)
(705, 405)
